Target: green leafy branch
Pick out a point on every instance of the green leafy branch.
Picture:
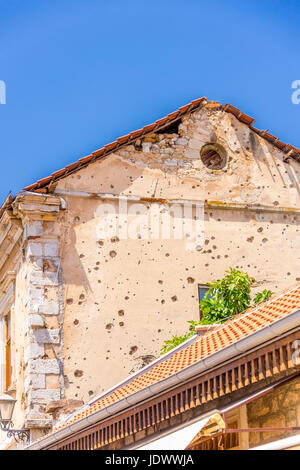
(224, 299)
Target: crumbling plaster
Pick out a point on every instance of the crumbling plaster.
(123, 298)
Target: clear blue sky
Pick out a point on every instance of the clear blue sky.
(80, 73)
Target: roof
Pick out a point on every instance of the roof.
(292, 151)
(201, 347)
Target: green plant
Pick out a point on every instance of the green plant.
(224, 298)
(228, 296)
(262, 296)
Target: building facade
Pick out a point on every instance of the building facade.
(103, 260)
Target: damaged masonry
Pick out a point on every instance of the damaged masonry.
(103, 260)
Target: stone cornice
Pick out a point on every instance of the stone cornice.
(34, 206)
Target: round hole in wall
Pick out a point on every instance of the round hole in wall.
(213, 156)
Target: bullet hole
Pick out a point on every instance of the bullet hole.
(96, 268)
(297, 278)
(76, 322)
(69, 301)
(77, 219)
(133, 349)
(91, 392)
(112, 254)
(78, 373)
(81, 296)
(48, 265)
(264, 240)
(121, 313)
(98, 262)
(190, 280)
(174, 298)
(160, 281)
(126, 298)
(109, 326)
(275, 203)
(81, 255)
(159, 331)
(121, 323)
(100, 242)
(163, 301)
(250, 239)
(214, 247)
(206, 242)
(114, 239)
(167, 254)
(260, 229)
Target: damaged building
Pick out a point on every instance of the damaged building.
(105, 259)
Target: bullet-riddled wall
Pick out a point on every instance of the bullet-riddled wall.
(123, 296)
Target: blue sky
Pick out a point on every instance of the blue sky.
(80, 73)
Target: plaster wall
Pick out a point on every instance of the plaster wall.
(124, 297)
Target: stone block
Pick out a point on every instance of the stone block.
(36, 420)
(33, 229)
(34, 249)
(43, 279)
(35, 294)
(35, 381)
(48, 308)
(35, 321)
(44, 335)
(33, 351)
(43, 394)
(51, 249)
(43, 366)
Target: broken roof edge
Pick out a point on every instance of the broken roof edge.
(289, 150)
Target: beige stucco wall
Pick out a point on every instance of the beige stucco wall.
(124, 298)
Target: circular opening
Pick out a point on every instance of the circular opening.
(213, 156)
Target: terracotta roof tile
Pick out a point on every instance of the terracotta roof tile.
(215, 340)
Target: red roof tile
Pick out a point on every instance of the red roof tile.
(126, 139)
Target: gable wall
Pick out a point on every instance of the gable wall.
(124, 298)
